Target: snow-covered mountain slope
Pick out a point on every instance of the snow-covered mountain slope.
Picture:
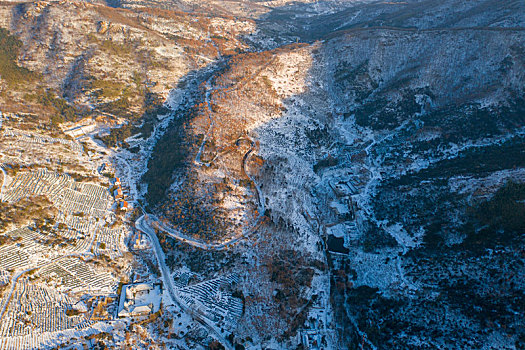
(351, 172)
(362, 139)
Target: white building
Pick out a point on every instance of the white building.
(139, 299)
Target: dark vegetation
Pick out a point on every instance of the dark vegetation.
(115, 48)
(475, 161)
(8, 239)
(292, 272)
(427, 205)
(472, 281)
(11, 169)
(477, 292)
(327, 162)
(72, 312)
(198, 261)
(169, 154)
(375, 238)
(381, 114)
(499, 221)
(341, 287)
(137, 124)
(471, 122)
(61, 110)
(9, 69)
(423, 199)
(188, 211)
(505, 210)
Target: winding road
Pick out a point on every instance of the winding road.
(151, 222)
(260, 198)
(142, 225)
(210, 128)
(147, 224)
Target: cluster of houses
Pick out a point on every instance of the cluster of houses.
(139, 299)
(119, 195)
(115, 188)
(139, 241)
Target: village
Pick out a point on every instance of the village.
(70, 276)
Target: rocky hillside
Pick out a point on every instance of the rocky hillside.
(397, 150)
(117, 64)
(318, 20)
(359, 165)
